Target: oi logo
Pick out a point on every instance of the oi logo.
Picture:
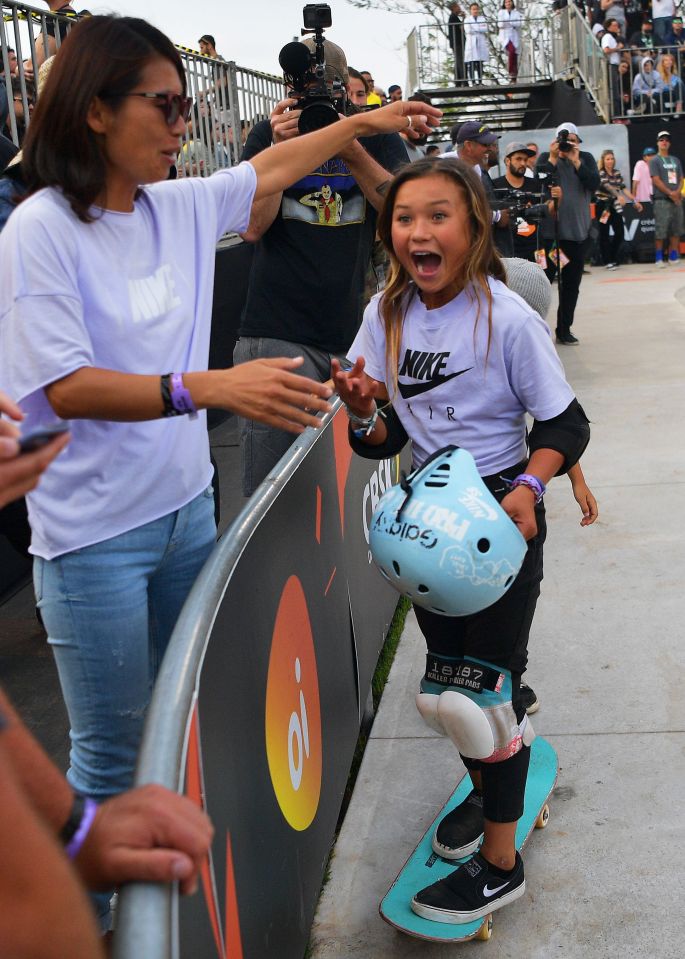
(293, 716)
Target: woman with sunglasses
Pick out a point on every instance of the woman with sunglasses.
(106, 277)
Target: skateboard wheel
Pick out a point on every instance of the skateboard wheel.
(485, 930)
(543, 818)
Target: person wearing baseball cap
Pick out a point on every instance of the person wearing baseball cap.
(474, 142)
(577, 174)
(642, 178)
(524, 228)
(313, 245)
(667, 180)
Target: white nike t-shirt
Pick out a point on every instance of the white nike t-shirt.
(130, 292)
(449, 393)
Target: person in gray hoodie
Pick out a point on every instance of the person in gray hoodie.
(647, 88)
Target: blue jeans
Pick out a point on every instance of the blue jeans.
(109, 611)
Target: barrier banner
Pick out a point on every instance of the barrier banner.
(639, 232)
(285, 676)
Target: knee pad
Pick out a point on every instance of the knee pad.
(469, 700)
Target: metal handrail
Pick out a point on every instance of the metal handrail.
(146, 910)
(431, 60)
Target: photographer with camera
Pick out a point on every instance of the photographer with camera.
(578, 178)
(475, 144)
(529, 202)
(314, 240)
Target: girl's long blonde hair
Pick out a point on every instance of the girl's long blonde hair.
(481, 260)
(660, 67)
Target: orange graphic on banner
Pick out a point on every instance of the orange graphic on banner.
(195, 791)
(343, 458)
(234, 944)
(293, 714)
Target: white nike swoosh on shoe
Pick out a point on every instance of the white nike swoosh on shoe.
(487, 892)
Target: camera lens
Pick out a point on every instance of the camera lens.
(317, 115)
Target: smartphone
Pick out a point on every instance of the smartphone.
(41, 436)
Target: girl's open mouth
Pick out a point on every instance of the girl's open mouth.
(427, 264)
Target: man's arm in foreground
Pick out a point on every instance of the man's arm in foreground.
(147, 834)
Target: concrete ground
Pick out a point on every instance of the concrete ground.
(607, 661)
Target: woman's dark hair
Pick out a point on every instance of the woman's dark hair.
(357, 76)
(480, 262)
(504, 4)
(101, 57)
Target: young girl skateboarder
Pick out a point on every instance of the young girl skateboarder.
(455, 357)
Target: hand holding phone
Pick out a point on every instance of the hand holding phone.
(40, 436)
(19, 474)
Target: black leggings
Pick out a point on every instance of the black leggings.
(498, 635)
(610, 245)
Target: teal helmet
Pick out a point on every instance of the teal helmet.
(441, 537)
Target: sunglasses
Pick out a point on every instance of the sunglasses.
(172, 105)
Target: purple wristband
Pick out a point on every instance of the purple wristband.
(181, 399)
(532, 482)
(73, 848)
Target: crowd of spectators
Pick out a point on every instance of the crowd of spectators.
(644, 43)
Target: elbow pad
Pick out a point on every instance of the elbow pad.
(393, 444)
(568, 434)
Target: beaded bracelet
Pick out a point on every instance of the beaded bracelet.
(362, 425)
(532, 482)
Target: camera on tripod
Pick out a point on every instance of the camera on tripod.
(320, 101)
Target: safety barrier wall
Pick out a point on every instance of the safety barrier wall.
(257, 707)
(227, 99)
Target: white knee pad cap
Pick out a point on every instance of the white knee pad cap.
(466, 724)
(427, 705)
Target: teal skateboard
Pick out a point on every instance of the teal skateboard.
(425, 867)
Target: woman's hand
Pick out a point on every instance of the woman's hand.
(638, 206)
(520, 506)
(355, 388)
(267, 391)
(412, 117)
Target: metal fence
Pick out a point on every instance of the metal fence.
(586, 59)
(227, 99)
(436, 54)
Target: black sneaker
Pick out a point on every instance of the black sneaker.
(529, 699)
(470, 892)
(459, 833)
(566, 339)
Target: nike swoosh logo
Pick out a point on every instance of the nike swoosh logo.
(413, 389)
(487, 892)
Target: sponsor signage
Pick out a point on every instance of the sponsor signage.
(282, 686)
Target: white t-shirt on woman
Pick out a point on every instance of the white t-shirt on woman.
(130, 292)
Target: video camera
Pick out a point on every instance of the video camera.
(519, 203)
(305, 73)
(563, 141)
